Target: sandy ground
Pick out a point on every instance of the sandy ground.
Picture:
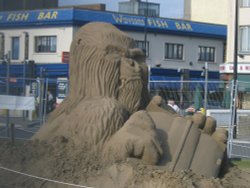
(62, 161)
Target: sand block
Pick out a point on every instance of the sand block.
(186, 150)
(183, 139)
(162, 120)
(177, 135)
(210, 125)
(208, 157)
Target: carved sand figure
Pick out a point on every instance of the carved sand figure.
(108, 134)
(107, 85)
(106, 109)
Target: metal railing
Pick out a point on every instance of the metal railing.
(214, 96)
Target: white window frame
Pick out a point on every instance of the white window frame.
(15, 48)
(207, 56)
(174, 56)
(142, 46)
(244, 43)
(245, 3)
(47, 44)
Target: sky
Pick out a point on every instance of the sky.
(168, 8)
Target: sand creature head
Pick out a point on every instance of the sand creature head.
(104, 62)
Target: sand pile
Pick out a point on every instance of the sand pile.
(62, 161)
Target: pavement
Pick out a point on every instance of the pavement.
(23, 128)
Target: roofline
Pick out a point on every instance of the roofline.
(78, 16)
(108, 11)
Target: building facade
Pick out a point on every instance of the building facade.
(243, 57)
(212, 11)
(11, 5)
(242, 54)
(140, 8)
(44, 36)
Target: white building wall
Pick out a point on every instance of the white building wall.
(64, 38)
(156, 47)
(212, 11)
(243, 20)
(244, 15)
(191, 44)
(230, 32)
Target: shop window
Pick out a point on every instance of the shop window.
(173, 51)
(206, 54)
(244, 39)
(141, 45)
(45, 44)
(245, 3)
(15, 47)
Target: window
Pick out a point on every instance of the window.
(206, 53)
(244, 39)
(173, 51)
(141, 45)
(15, 48)
(1, 46)
(45, 44)
(149, 9)
(245, 3)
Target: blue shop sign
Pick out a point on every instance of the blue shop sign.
(124, 21)
(38, 16)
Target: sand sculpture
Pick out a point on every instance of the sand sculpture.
(108, 109)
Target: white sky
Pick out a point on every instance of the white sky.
(168, 8)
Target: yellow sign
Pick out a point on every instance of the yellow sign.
(157, 23)
(42, 15)
(183, 26)
(47, 15)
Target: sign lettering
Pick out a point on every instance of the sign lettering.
(47, 15)
(128, 20)
(157, 23)
(68, 15)
(14, 17)
(229, 68)
(183, 26)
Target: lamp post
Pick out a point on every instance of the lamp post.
(235, 73)
(146, 29)
(206, 85)
(1, 46)
(233, 124)
(8, 57)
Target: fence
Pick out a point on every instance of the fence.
(19, 89)
(198, 94)
(214, 96)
